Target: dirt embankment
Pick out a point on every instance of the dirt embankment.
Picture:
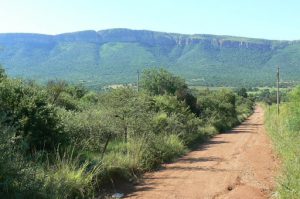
(236, 164)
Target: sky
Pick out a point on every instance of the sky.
(269, 19)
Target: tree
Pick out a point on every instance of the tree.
(160, 81)
(242, 92)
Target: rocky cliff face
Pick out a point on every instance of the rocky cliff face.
(142, 36)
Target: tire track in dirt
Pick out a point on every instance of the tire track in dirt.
(236, 164)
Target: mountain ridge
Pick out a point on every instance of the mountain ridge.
(146, 30)
(113, 56)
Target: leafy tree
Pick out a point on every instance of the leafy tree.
(242, 92)
(128, 110)
(160, 81)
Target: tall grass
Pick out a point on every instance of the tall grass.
(128, 160)
(285, 132)
(63, 176)
(69, 177)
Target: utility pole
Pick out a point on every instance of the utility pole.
(138, 80)
(278, 90)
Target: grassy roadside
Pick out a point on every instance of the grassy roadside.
(285, 133)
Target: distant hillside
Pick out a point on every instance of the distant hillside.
(113, 56)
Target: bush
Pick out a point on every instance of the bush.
(244, 107)
(161, 82)
(174, 117)
(27, 109)
(219, 109)
(162, 149)
(88, 130)
(17, 176)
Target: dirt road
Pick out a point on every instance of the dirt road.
(237, 164)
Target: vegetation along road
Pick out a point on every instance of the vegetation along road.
(236, 164)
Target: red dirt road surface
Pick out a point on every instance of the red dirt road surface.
(237, 164)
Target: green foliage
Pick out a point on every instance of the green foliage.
(219, 108)
(294, 110)
(113, 56)
(63, 95)
(23, 177)
(174, 117)
(242, 92)
(244, 107)
(68, 177)
(162, 148)
(269, 96)
(17, 175)
(27, 109)
(285, 132)
(114, 135)
(160, 81)
(89, 129)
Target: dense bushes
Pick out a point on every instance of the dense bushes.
(26, 108)
(219, 108)
(285, 132)
(161, 82)
(17, 175)
(80, 140)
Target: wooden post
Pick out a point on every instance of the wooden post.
(278, 90)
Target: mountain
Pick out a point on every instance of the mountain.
(113, 56)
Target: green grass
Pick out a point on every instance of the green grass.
(285, 133)
(129, 160)
(68, 177)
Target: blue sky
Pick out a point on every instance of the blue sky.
(271, 19)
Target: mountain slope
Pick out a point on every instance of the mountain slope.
(114, 56)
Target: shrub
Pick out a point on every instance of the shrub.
(17, 176)
(89, 129)
(219, 109)
(27, 109)
(160, 149)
